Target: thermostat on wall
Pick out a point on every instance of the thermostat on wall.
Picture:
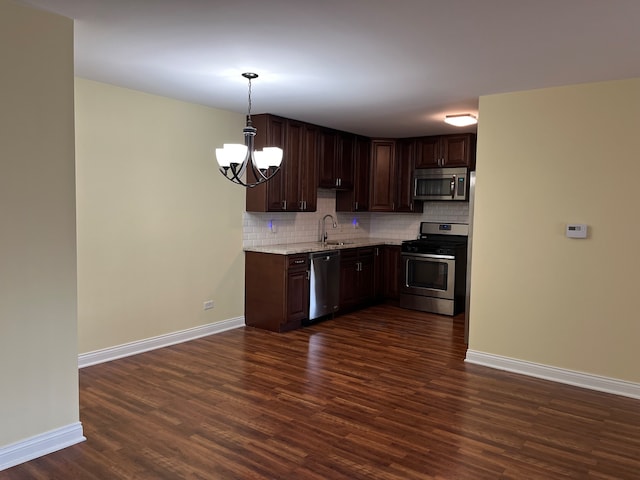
(576, 230)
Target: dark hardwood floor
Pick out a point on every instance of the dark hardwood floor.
(382, 393)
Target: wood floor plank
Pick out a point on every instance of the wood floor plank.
(382, 394)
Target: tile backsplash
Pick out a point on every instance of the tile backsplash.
(260, 229)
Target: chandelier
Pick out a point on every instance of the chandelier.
(241, 163)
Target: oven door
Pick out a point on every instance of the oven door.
(428, 275)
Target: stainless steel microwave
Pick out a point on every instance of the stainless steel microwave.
(441, 184)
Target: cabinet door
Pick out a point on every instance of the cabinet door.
(382, 186)
(366, 277)
(294, 153)
(309, 170)
(297, 298)
(361, 178)
(456, 150)
(357, 200)
(378, 268)
(427, 152)
(328, 141)
(276, 137)
(391, 260)
(344, 161)
(348, 278)
(405, 158)
(269, 196)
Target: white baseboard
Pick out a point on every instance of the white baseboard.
(139, 346)
(40, 445)
(560, 375)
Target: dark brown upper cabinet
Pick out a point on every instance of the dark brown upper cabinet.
(405, 165)
(383, 175)
(458, 150)
(392, 165)
(335, 162)
(293, 188)
(357, 200)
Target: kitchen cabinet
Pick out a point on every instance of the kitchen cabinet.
(276, 290)
(458, 150)
(357, 278)
(391, 262)
(357, 200)
(308, 171)
(379, 272)
(387, 273)
(383, 176)
(391, 187)
(335, 162)
(405, 165)
(291, 189)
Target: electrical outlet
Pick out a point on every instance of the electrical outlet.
(208, 305)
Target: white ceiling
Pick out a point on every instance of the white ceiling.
(375, 67)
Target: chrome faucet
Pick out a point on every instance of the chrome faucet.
(324, 237)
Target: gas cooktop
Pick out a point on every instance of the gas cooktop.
(438, 238)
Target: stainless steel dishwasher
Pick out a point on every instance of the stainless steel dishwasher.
(324, 293)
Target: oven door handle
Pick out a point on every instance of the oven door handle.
(427, 256)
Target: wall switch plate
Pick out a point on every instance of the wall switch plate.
(208, 305)
(576, 230)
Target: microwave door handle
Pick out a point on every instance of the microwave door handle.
(453, 187)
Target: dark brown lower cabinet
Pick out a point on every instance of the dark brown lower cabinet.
(276, 291)
(277, 286)
(357, 277)
(391, 268)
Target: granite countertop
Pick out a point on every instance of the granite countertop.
(308, 247)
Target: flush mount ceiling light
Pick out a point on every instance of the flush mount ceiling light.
(461, 120)
(241, 163)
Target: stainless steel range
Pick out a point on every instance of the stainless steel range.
(434, 269)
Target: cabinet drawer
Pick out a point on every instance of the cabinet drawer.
(298, 261)
(366, 251)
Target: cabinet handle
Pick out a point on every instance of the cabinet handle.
(356, 206)
(304, 207)
(299, 262)
(377, 252)
(284, 204)
(308, 275)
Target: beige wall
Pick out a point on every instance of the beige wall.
(159, 229)
(547, 158)
(38, 347)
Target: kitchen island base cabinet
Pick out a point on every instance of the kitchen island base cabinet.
(276, 291)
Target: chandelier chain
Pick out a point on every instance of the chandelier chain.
(249, 110)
